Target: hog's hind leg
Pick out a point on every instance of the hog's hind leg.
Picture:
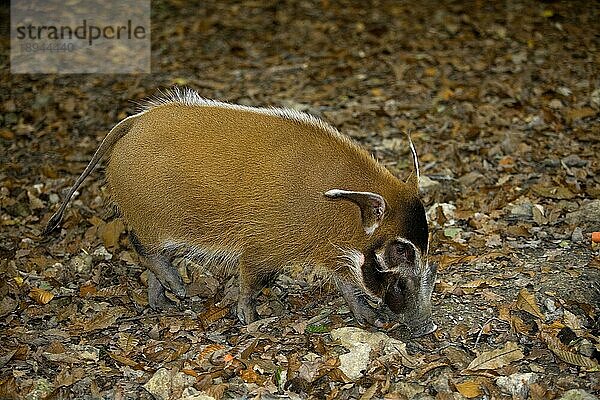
(161, 275)
(253, 277)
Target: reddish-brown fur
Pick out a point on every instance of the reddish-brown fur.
(197, 177)
(252, 183)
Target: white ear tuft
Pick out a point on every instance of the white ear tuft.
(415, 158)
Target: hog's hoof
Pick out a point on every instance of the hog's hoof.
(246, 312)
(176, 286)
(156, 294)
(160, 302)
(423, 330)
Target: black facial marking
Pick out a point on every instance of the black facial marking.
(373, 279)
(415, 224)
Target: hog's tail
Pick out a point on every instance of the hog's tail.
(116, 133)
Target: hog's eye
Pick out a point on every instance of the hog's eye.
(401, 253)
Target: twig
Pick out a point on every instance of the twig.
(483, 326)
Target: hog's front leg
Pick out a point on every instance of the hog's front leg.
(250, 285)
(360, 308)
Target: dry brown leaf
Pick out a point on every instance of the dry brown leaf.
(469, 389)
(575, 114)
(497, 358)
(470, 287)
(112, 291)
(125, 361)
(110, 233)
(573, 322)
(250, 376)
(481, 283)
(190, 372)
(217, 391)
(211, 348)
(574, 359)
(7, 134)
(518, 325)
(127, 342)
(87, 290)
(491, 296)
(562, 352)
(447, 260)
(557, 192)
(102, 320)
(41, 296)
(211, 315)
(445, 94)
(429, 367)
(69, 376)
(526, 302)
(504, 312)
(96, 221)
(370, 392)
(444, 287)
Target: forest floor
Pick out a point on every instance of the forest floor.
(503, 100)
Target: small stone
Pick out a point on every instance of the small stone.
(164, 383)
(587, 216)
(550, 305)
(447, 209)
(54, 199)
(40, 389)
(426, 183)
(523, 211)
(595, 97)
(539, 215)
(407, 389)
(587, 348)
(555, 104)
(564, 91)
(517, 385)
(193, 394)
(82, 262)
(158, 385)
(441, 383)
(574, 160)
(470, 178)
(577, 235)
(102, 253)
(360, 343)
(577, 394)
(356, 361)
(452, 232)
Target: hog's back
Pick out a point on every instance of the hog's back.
(222, 178)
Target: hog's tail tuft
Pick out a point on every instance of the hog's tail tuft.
(116, 133)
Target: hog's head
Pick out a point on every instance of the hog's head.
(393, 269)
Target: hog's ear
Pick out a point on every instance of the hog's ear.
(413, 179)
(372, 206)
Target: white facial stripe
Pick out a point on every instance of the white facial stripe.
(379, 256)
(353, 259)
(371, 229)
